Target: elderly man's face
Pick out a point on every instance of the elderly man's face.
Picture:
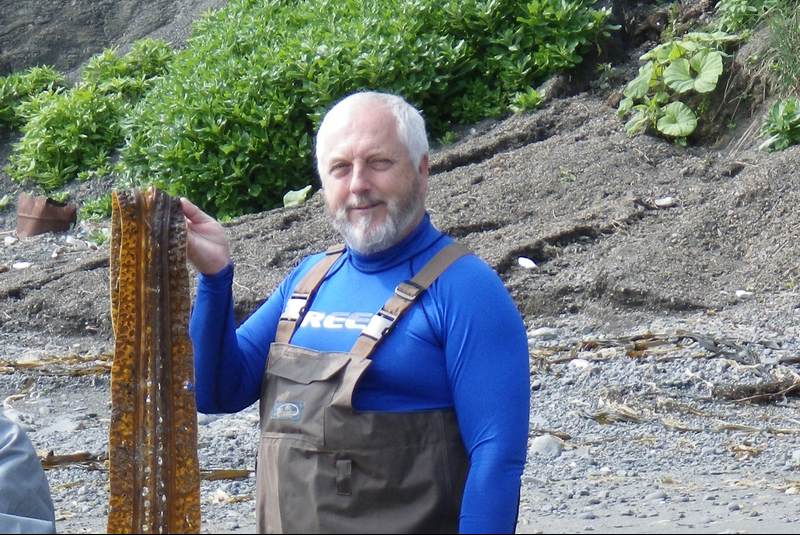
(372, 189)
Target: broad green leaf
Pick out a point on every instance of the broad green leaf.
(678, 77)
(624, 105)
(678, 121)
(708, 66)
(700, 73)
(638, 87)
(637, 121)
(293, 198)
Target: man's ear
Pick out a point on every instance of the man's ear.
(423, 173)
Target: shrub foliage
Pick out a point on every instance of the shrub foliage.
(232, 125)
(229, 120)
(67, 132)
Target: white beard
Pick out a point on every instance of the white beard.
(400, 214)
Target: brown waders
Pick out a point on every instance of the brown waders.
(325, 467)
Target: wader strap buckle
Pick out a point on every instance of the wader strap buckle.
(295, 306)
(379, 325)
(408, 290)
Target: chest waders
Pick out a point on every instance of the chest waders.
(323, 466)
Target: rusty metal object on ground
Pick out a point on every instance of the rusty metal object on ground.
(154, 475)
(37, 214)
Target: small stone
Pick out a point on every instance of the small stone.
(665, 202)
(543, 333)
(546, 445)
(8, 241)
(77, 244)
(743, 294)
(656, 496)
(526, 263)
(21, 265)
(580, 364)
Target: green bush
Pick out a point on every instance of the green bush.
(17, 87)
(67, 133)
(785, 40)
(781, 126)
(741, 15)
(231, 126)
(131, 74)
(98, 208)
(673, 72)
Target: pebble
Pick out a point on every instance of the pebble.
(543, 333)
(546, 445)
(665, 202)
(656, 496)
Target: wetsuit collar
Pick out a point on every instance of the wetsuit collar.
(423, 235)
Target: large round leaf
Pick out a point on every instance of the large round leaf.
(700, 73)
(708, 66)
(678, 121)
(678, 77)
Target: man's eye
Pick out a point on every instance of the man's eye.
(381, 165)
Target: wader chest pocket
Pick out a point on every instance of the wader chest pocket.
(299, 387)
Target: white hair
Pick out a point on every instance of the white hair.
(409, 122)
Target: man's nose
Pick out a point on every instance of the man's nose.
(360, 181)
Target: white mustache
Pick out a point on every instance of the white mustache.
(363, 202)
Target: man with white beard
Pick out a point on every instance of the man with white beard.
(392, 372)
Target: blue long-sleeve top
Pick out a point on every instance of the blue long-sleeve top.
(462, 345)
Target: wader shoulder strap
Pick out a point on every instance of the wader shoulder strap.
(404, 296)
(295, 307)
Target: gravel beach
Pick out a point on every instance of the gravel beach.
(644, 432)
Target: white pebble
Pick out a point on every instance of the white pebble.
(9, 241)
(76, 243)
(580, 364)
(546, 445)
(543, 333)
(21, 265)
(525, 262)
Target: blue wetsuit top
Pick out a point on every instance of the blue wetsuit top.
(462, 345)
